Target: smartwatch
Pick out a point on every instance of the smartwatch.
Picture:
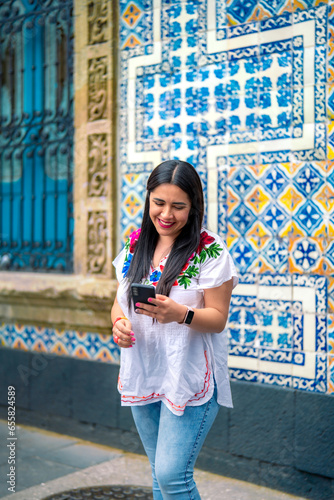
(189, 316)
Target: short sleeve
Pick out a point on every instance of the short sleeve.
(123, 259)
(217, 264)
(118, 263)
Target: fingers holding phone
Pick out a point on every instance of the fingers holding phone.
(159, 307)
(142, 296)
(123, 334)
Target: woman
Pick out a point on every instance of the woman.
(173, 354)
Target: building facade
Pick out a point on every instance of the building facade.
(245, 92)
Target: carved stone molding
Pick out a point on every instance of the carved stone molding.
(75, 302)
(97, 88)
(97, 21)
(94, 96)
(97, 242)
(97, 165)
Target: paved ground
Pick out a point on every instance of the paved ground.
(48, 463)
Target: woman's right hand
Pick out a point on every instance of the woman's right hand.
(122, 333)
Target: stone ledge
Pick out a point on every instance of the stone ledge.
(60, 301)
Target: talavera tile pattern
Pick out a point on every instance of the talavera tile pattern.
(245, 92)
(84, 345)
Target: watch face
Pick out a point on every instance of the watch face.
(189, 317)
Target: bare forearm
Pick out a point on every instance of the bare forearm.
(208, 320)
(116, 311)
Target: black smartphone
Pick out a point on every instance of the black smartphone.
(140, 293)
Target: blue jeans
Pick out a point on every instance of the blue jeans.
(172, 444)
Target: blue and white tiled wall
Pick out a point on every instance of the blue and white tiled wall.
(245, 92)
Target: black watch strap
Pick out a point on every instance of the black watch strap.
(189, 316)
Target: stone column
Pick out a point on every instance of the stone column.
(93, 138)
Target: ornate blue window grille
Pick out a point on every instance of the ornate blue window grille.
(36, 135)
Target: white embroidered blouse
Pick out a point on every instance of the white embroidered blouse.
(170, 362)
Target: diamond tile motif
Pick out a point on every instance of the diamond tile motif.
(307, 179)
(242, 218)
(239, 11)
(275, 254)
(305, 254)
(330, 47)
(243, 254)
(133, 192)
(309, 217)
(331, 374)
(325, 198)
(330, 326)
(331, 293)
(291, 198)
(258, 235)
(258, 200)
(132, 204)
(307, 4)
(132, 14)
(136, 26)
(270, 8)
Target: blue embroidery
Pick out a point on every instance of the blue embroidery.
(126, 265)
(155, 276)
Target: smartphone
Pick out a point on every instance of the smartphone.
(140, 293)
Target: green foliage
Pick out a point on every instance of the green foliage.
(184, 280)
(214, 250)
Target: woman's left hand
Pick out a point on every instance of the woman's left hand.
(164, 309)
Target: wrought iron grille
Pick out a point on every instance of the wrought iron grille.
(36, 135)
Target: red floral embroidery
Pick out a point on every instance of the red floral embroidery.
(133, 240)
(207, 248)
(186, 265)
(205, 240)
(191, 257)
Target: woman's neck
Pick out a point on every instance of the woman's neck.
(162, 249)
(165, 241)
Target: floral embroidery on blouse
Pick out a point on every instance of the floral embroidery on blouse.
(208, 248)
(130, 246)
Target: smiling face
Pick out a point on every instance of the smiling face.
(169, 210)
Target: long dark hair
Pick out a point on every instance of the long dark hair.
(183, 175)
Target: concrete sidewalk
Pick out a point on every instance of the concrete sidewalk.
(49, 463)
